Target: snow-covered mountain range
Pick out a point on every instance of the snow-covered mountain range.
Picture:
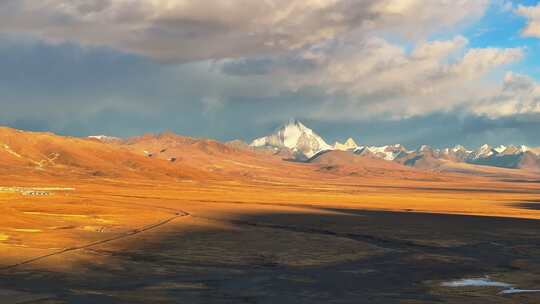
(511, 156)
(303, 143)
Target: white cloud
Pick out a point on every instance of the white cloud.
(378, 77)
(519, 94)
(477, 62)
(532, 13)
(438, 49)
(415, 18)
(187, 30)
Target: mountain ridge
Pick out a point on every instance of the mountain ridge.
(426, 157)
(302, 141)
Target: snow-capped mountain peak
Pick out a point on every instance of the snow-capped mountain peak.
(485, 147)
(512, 150)
(390, 152)
(460, 148)
(349, 145)
(295, 136)
(303, 143)
(424, 148)
(500, 148)
(484, 151)
(103, 137)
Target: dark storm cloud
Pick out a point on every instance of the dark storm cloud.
(267, 65)
(75, 90)
(59, 69)
(46, 87)
(526, 125)
(80, 91)
(245, 67)
(437, 129)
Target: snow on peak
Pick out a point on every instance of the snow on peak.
(512, 150)
(386, 152)
(500, 148)
(485, 147)
(305, 143)
(349, 145)
(484, 151)
(295, 136)
(459, 148)
(103, 137)
(425, 148)
(524, 148)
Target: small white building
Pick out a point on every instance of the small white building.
(36, 193)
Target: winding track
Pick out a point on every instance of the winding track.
(387, 243)
(177, 214)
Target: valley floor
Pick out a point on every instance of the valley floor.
(343, 241)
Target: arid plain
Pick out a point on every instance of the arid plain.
(172, 219)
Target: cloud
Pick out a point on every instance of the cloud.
(184, 30)
(81, 91)
(348, 53)
(532, 14)
(77, 90)
(223, 65)
(375, 77)
(519, 94)
(416, 18)
(248, 67)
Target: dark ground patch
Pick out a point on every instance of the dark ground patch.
(530, 205)
(261, 262)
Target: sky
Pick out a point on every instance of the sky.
(437, 72)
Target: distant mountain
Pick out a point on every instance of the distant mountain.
(296, 137)
(511, 157)
(171, 156)
(104, 138)
(349, 145)
(295, 140)
(239, 144)
(345, 163)
(47, 154)
(458, 153)
(385, 152)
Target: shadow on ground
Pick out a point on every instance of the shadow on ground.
(345, 256)
(529, 205)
